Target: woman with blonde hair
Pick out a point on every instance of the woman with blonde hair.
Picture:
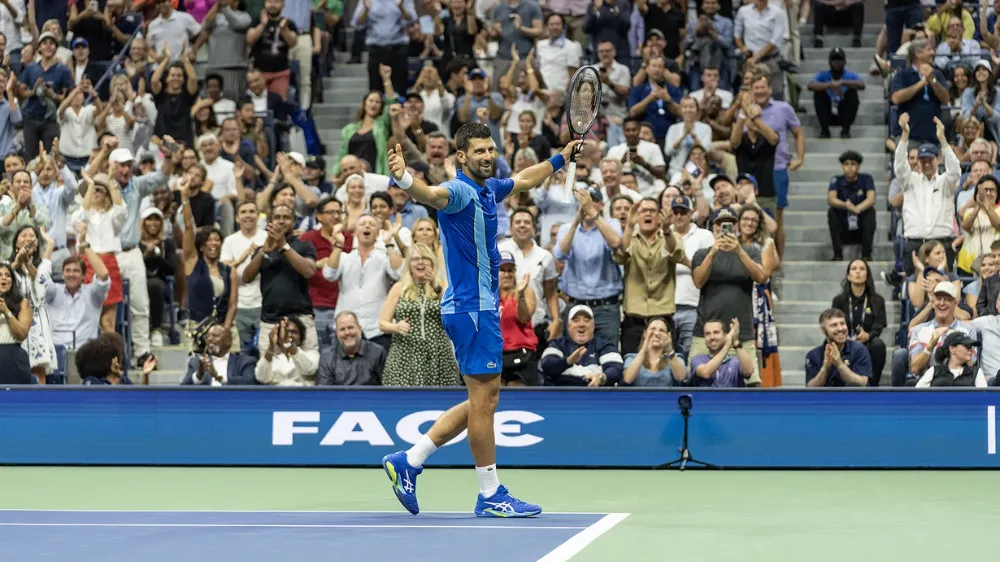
(420, 354)
(425, 231)
(752, 232)
(356, 203)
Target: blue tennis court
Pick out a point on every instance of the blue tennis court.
(162, 536)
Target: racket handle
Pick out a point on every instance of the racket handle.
(570, 183)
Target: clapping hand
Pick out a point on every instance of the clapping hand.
(575, 357)
(523, 283)
(904, 123)
(734, 332)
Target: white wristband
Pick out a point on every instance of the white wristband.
(406, 182)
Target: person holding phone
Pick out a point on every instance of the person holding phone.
(725, 274)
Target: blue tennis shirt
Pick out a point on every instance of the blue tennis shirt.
(469, 243)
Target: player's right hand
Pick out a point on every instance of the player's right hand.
(567, 151)
(397, 166)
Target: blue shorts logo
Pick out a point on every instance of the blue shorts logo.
(491, 365)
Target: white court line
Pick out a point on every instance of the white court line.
(7, 509)
(332, 526)
(579, 541)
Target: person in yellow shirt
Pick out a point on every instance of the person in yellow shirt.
(937, 23)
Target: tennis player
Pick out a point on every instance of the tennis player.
(468, 216)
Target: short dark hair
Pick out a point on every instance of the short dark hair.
(202, 236)
(76, 260)
(215, 76)
(243, 101)
(830, 314)
(524, 210)
(244, 203)
(276, 191)
(93, 359)
(326, 200)
(631, 119)
(653, 200)
(471, 131)
(383, 195)
(714, 321)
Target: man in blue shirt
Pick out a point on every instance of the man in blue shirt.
(851, 216)
(839, 361)
(44, 84)
(919, 89)
(467, 213)
(835, 94)
(655, 101)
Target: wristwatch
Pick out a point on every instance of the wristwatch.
(286, 247)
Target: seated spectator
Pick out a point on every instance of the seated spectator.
(656, 363)
(686, 295)
(990, 288)
(100, 362)
(517, 305)
(851, 216)
(840, 360)
(909, 364)
(907, 91)
(643, 159)
(580, 358)
(284, 364)
(953, 50)
(15, 321)
(210, 291)
(931, 268)
(981, 101)
(217, 366)
(981, 222)
(838, 14)
(836, 87)
(32, 271)
(411, 314)
(939, 22)
(367, 136)
(353, 360)
(956, 365)
(103, 215)
(988, 327)
(864, 310)
(591, 277)
(928, 197)
(987, 267)
(717, 367)
(159, 254)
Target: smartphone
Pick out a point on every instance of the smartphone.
(172, 146)
(511, 16)
(633, 149)
(95, 5)
(727, 228)
(693, 170)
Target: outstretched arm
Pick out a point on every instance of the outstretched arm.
(532, 177)
(435, 196)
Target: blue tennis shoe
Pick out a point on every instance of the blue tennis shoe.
(404, 479)
(502, 504)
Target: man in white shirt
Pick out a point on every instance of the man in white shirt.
(928, 197)
(686, 294)
(685, 135)
(237, 249)
(558, 56)
(220, 171)
(616, 81)
(642, 158)
(74, 306)
(224, 108)
(759, 32)
(351, 165)
(172, 29)
(611, 176)
(536, 262)
(710, 87)
(366, 276)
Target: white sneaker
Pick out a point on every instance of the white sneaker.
(156, 339)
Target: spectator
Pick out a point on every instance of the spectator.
(210, 293)
(461, 29)
(616, 81)
(686, 294)
(393, 236)
(538, 263)
(527, 137)
(287, 188)
(970, 293)
(367, 137)
(225, 29)
(838, 13)
(32, 272)
(559, 56)
(12, 18)
(581, 358)
(119, 117)
(285, 266)
(80, 66)
(174, 88)
(591, 277)
(403, 207)
(387, 41)
(725, 274)
(656, 363)
(75, 307)
(516, 24)
(77, 125)
(840, 360)
(955, 364)
(709, 46)
(103, 214)
(201, 202)
(955, 50)
(836, 87)
(851, 216)
(928, 197)
(910, 364)
(520, 340)
(237, 250)
(718, 367)
(758, 33)
(270, 43)
(650, 258)
(324, 293)
(755, 144)
(356, 204)
(981, 100)
(919, 91)
(864, 311)
(419, 354)
(284, 364)
(16, 321)
(353, 361)
(686, 134)
(656, 100)
(217, 366)
(644, 159)
(100, 362)
(159, 253)
(10, 112)
(437, 100)
(711, 86)
(56, 197)
(939, 21)
(667, 17)
(172, 32)
(988, 327)
(222, 174)
(981, 221)
(300, 13)
(18, 209)
(931, 269)
(45, 85)
(611, 177)
(222, 108)
(203, 118)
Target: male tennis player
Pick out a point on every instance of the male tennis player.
(468, 216)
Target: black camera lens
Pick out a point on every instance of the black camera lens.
(684, 401)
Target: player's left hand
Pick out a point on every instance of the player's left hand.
(397, 166)
(567, 151)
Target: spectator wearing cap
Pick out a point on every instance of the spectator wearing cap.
(159, 253)
(591, 277)
(539, 265)
(839, 360)
(477, 95)
(656, 100)
(582, 357)
(928, 196)
(725, 274)
(518, 303)
(838, 13)
(686, 295)
(725, 362)
(80, 65)
(314, 175)
(919, 90)
(650, 257)
(419, 127)
(758, 32)
(516, 25)
(44, 84)
(685, 134)
(911, 363)
(954, 49)
(559, 55)
(106, 30)
(747, 188)
(956, 364)
(851, 217)
(981, 100)
(709, 45)
(836, 88)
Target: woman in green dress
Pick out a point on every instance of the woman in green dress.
(421, 353)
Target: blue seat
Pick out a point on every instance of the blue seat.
(58, 376)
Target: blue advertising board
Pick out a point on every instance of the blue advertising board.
(534, 427)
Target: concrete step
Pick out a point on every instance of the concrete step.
(793, 362)
(819, 153)
(791, 378)
(866, 116)
(351, 71)
(868, 145)
(799, 217)
(818, 251)
(825, 270)
(821, 234)
(867, 106)
(821, 169)
(874, 84)
(809, 334)
(821, 187)
(172, 358)
(816, 290)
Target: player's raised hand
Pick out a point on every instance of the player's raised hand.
(904, 123)
(397, 166)
(567, 151)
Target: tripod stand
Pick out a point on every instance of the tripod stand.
(685, 453)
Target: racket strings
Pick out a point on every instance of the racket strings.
(584, 100)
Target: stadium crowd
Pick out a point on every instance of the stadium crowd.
(165, 178)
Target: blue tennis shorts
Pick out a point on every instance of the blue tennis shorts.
(477, 339)
(781, 188)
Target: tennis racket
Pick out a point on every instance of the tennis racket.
(581, 112)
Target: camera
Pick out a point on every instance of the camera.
(684, 403)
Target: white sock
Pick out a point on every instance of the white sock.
(419, 452)
(488, 480)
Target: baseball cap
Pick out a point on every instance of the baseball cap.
(837, 53)
(48, 35)
(80, 42)
(297, 158)
(145, 156)
(151, 211)
(657, 33)
(578, 309)
(958, 337)
(750, 178)
(985, 64)
(120, 156)
(316, 163)
(681, 202)
(927, 150)
(506, 258)
(946, 288)
(718, 178)
(723, 215)
(477, 73)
